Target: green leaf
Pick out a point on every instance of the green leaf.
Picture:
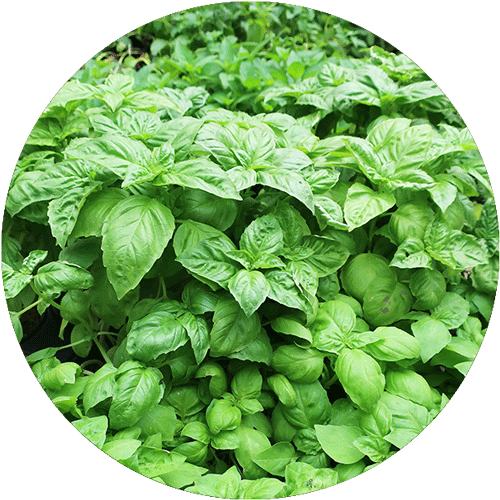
(208, 259)
(155, 334)
(222, 415)
(79, 333)
(104, 301)
(183, 475)
(443, 193)
(72, 91)
(200, 174)
(94, 429)
(432, 335)
(452, 310)
(265, 487)
(135, 234)
(257, 147)
(368, 160)
(313, 406)
(338, 441)
(374, 447)
(63, 212)
(393, 344)
(410, 147)
(332, 326)
(383, 132)
(327, 256)
(153, 462)
(197, 330)
(258, 350)
(56, 277)
(296, 70)
(137, 390)
(262, 236)
(361, 377)
(252, 443)
(160, 419)
(62, 374)
(250, 289)
(191, 232)
(411, 254)
(275, 459)
(283, 388)
(328, 212)
(94, 212)
(466, 250)
(408, 419)
(363, 204)
(304, 478)
(99, 387)
(290, 182)
(284, 290)
(121, 449)
(218, 485)
(289, 326)
(16, 280)
(232, 328)
(293, 225)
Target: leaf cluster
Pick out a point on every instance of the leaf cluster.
(286, 259)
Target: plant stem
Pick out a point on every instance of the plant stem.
(20, 313)
(103, 352)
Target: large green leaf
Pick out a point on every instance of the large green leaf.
(135, 234)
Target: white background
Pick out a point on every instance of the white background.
(43, 43)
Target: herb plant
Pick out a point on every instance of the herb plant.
(274, 265)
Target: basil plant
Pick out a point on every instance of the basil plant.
(271, 263)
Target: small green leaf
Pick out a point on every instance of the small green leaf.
(432, 335)
(250, 289)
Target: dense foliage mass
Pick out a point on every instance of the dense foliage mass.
(283, 249)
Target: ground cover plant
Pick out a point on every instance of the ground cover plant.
(273, 256)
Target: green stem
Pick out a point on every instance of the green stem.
(103, 352)
(20, 313)
(330, 382)
(163, 287)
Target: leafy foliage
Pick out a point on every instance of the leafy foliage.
(285, 256)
